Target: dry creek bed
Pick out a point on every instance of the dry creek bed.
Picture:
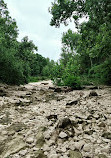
(39, 120)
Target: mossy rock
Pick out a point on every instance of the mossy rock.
(6, 119)
(75, 154)
(102, 156)
(12, 146)
(17, 127)
(107, 135)
(40, 137)
(39, 154)
(2, 146)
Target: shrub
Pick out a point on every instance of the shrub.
(72, 81)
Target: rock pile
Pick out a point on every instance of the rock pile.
(38, 122)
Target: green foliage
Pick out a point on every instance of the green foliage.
(49, 69)
(37, 78)
(18, 60)
(70, 41)
(58, 81)
(11, 71)
(33, 79)
(88, 52)
(72, 81)
(101, 74)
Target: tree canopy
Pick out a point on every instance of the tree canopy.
(18, 60)
(90, 46)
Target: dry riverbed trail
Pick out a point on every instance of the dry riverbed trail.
(40, 120)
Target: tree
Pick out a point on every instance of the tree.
(98, 11)
(94, 36)
(8, 34)
(18, 60)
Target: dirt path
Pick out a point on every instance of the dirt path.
(39, 120)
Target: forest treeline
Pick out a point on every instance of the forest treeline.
(85, 56)
(19, 61)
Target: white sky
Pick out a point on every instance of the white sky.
(33, 20)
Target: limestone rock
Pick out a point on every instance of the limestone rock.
(23, 152)
(17, 127)
(13, 146)
(87, 148)
(30, 140)
(53, 156)
(72, 103)
(63, 135)
(75, 154)
(79, 145)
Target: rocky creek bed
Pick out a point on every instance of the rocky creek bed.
(39, 120)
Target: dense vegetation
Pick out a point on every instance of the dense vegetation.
(86, 55)
(18, 61)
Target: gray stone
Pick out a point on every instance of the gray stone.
(13, 146)
(79, 145)
(30, 140)
(53, 156)
(75, 154)
(63, 135)
(72, 103)
(23, 152)
(87, 148)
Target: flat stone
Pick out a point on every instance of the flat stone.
(79, 145)
(13, 146)
(46, 148)
(11, 133)
(47, 135)
(75, 154)
(30, 140)
(53, 156)
(63, 135)
(87, 148)
(72, 103)
(63, 149)
(23, 152)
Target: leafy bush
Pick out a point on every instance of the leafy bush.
(69, 80)
(58, 81)
(72, 81)
(85, 80)
(33, 79)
